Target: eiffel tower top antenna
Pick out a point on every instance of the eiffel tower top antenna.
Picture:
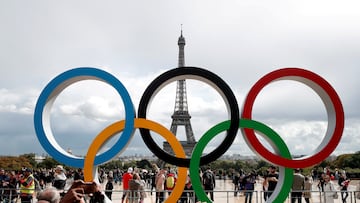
(181, 44)
(181, 29)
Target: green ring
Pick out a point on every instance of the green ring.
(282, 188)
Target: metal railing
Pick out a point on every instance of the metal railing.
(11, 195)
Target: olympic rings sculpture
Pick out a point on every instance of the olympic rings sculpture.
(281, 157)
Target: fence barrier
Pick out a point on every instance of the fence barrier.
(256, 196)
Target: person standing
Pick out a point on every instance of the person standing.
(153, 183)
(188, 192)
(79, 175)
(329, 190)
(170, 181)
(142, 190)
(4, 181)
(307, 189)
(344, 184)
(321, 182)
(249, 185)
(134, 189)
(297, 186)
(271, 179)
(264, 188)
(236, 179)
(27, 186)
(126, 178)
(160, 183)
(109, 187)
(10, 194)
(59, 178)
(208, 180)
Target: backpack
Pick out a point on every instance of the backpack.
(59, 184)
(208, 179)
(109, 186)
(170, 182)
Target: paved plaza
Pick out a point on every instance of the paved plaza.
(223, 193)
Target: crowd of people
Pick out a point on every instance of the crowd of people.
(329, 183)
(24, 184)
(163, 181)
(46, 184)
(50, 185)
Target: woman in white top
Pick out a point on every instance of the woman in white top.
(307, 189)
(59, 178)
(329, 190)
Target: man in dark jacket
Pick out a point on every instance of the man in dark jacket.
(209, 182)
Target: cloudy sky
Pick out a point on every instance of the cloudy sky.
(136, 41)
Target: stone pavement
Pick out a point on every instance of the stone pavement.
(224, 193)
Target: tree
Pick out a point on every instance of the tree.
(324, 164)
(31, 158)
(145, 164)
(261, 163)
(238, 165)
(14, 163)
(343, 160)
(48, 162)
(129, 164)
(114, 164)
(354, 161)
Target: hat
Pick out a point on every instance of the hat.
(130, 170)
(59, 167)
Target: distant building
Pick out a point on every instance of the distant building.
(39, 158)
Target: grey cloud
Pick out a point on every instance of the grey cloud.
(239, 41)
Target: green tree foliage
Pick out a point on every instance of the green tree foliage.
(114, 164)
(262, 164)
(343, 160)
(325, 163)
(145, 164)
(348, 161)
(14, 163)
(129, 164)
(353, 161)
(31, 158)
(48, 162)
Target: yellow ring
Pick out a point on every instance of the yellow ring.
(117, 127)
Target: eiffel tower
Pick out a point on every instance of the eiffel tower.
(181, 116)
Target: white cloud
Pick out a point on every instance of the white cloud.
(17, 101)
(239, 40)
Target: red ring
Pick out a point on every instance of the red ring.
(333, 106)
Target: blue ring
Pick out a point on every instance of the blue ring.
(48, 96)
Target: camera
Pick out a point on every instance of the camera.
(97, 197)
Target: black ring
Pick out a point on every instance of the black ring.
(207, 77)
